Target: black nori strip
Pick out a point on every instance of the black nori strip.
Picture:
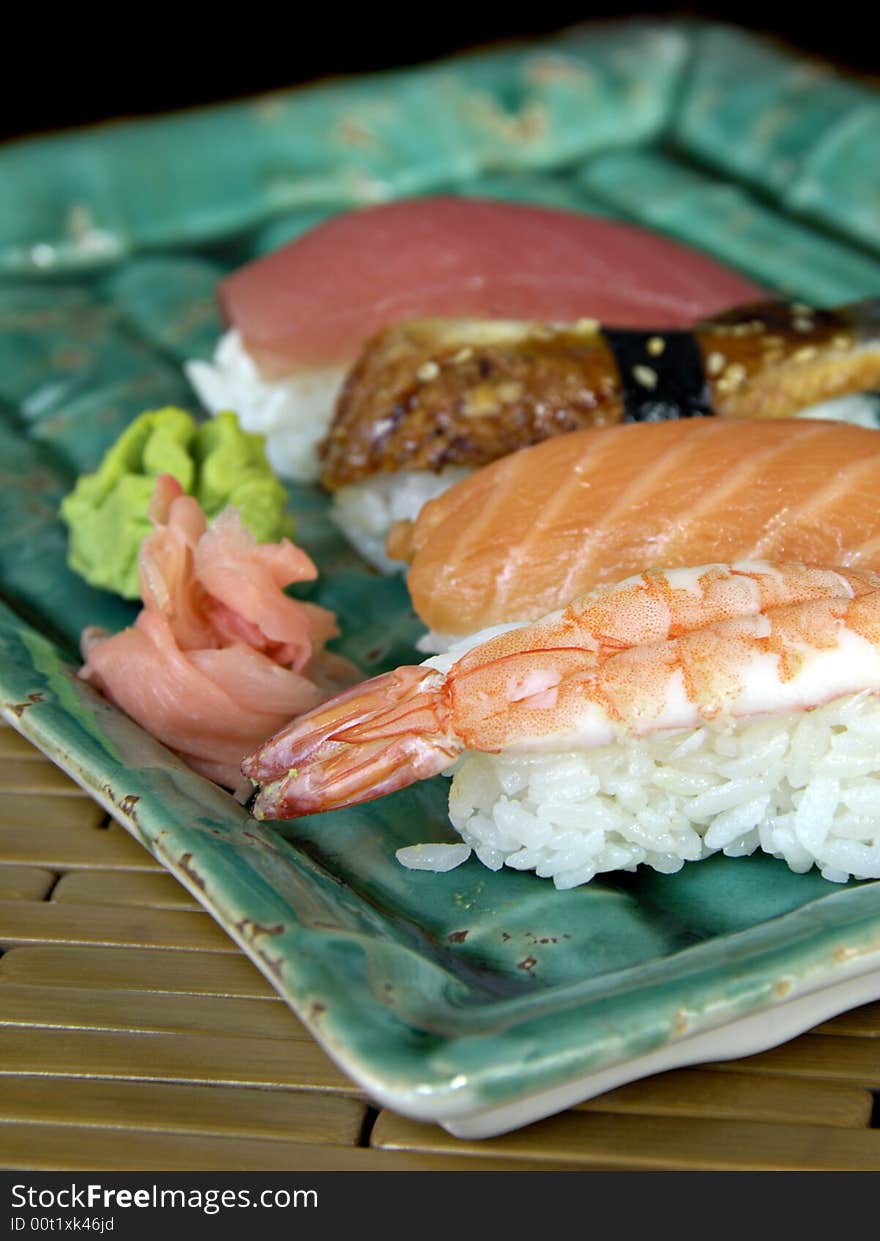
(679, 388)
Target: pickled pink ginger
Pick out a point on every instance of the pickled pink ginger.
(314, 302)
(220, 657)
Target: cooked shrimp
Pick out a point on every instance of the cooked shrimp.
(660, 651)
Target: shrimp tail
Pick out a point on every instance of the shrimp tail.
(380, 736)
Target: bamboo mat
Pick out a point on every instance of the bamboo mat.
(135, 1035)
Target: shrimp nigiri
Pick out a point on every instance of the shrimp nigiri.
(674, 714)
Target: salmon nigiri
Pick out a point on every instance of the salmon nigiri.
(430, 400)
(299, 317)
(529, 532)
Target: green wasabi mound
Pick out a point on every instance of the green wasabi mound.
(215, 461)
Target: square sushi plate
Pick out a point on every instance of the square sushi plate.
(477, 999)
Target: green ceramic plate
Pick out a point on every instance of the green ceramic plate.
(477, 999)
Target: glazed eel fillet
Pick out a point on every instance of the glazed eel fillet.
(430, 394)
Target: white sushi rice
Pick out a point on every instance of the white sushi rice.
(365, 512)
(860, 410)
(433, 857)
(803, 787)
(294, 414)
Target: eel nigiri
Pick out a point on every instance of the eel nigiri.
(531, 531)
(675, 714)
(299, 317)
(429, 400)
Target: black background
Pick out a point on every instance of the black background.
(70, 68)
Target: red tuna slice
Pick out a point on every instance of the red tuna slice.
(317, 300)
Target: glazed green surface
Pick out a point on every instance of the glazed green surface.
(489, 983)
(794, 131)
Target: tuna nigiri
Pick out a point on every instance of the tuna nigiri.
(677, 713)
(529, 532)
(299, 317)
(219, 657)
